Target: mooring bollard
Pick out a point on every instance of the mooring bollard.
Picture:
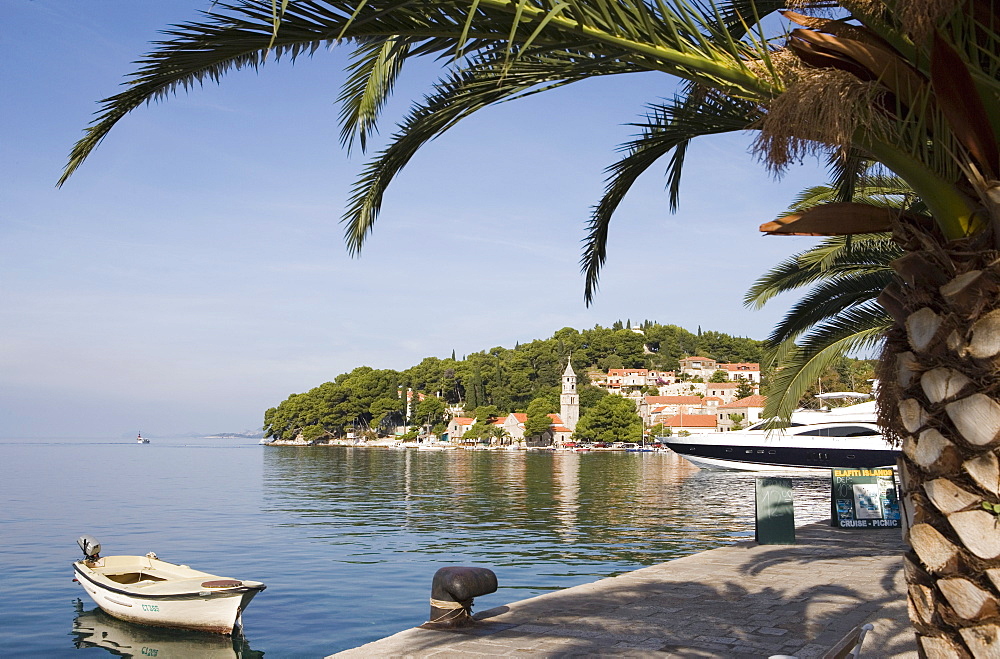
(452, 592)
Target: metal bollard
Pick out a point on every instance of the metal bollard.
(452, 592)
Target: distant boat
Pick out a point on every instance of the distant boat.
(141, 440)
(146, 590)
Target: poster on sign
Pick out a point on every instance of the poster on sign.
(864, 498)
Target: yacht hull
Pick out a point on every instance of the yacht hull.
(847, 438)
(769, 458)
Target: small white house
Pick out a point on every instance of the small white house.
(751, 408)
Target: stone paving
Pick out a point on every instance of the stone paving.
(744, 600)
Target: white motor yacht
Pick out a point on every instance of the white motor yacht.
(814, 440)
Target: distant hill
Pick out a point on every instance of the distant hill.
(246, 434)
(505, 378)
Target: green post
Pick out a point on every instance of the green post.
(775, 512)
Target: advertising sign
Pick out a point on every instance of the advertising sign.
(864, 498)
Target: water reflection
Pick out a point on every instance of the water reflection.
(96, 629)
(567, 496)
(608, 511)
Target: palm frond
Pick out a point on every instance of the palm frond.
(680, 39)
(487, 80)
(857, 329)
(376, 66)
(829, 298)
(835, 256)
(669, 127)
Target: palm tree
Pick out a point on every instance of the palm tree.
(911, 84)
(499, 435)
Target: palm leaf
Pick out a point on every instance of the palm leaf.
(679, 39)
(374, 70)
(828, 299)
(669, 128)
(857, 329)
(487, 80)
(833, 257)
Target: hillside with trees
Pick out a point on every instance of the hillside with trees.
(368, 399)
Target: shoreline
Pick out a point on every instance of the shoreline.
(741, 600)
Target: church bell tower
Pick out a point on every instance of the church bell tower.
(569, 399)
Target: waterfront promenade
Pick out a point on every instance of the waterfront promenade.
(743, 600)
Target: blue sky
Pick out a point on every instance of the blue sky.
(193, 272)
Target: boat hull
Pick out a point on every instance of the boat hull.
(733, 465)
(97, 629)
(207, 609)
(714, 452)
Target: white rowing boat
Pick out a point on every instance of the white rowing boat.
(149, 591)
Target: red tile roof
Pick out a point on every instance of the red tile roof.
(690, 421)
(750, 401)
(673, 400)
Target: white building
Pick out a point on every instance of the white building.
(704, 367)
(750, 408)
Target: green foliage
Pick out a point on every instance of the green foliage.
(312, 433)
(386, 410)
(744, 388)
(499, 435)
(505, 380)
(659, 430)
(719, 376)
(487, 414)
(478, 431)
(839, 313)
(538, 421)
(430, 411)
(333, 406)
(737, 420)
(612, 419)
(590, 396)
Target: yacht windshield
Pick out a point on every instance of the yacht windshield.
(841, 431)
(762, 425)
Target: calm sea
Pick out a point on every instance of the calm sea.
(346, 539)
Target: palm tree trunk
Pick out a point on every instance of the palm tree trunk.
(940, 397)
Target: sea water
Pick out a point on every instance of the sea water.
(346, 539)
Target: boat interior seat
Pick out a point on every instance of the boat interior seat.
(126, 578)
